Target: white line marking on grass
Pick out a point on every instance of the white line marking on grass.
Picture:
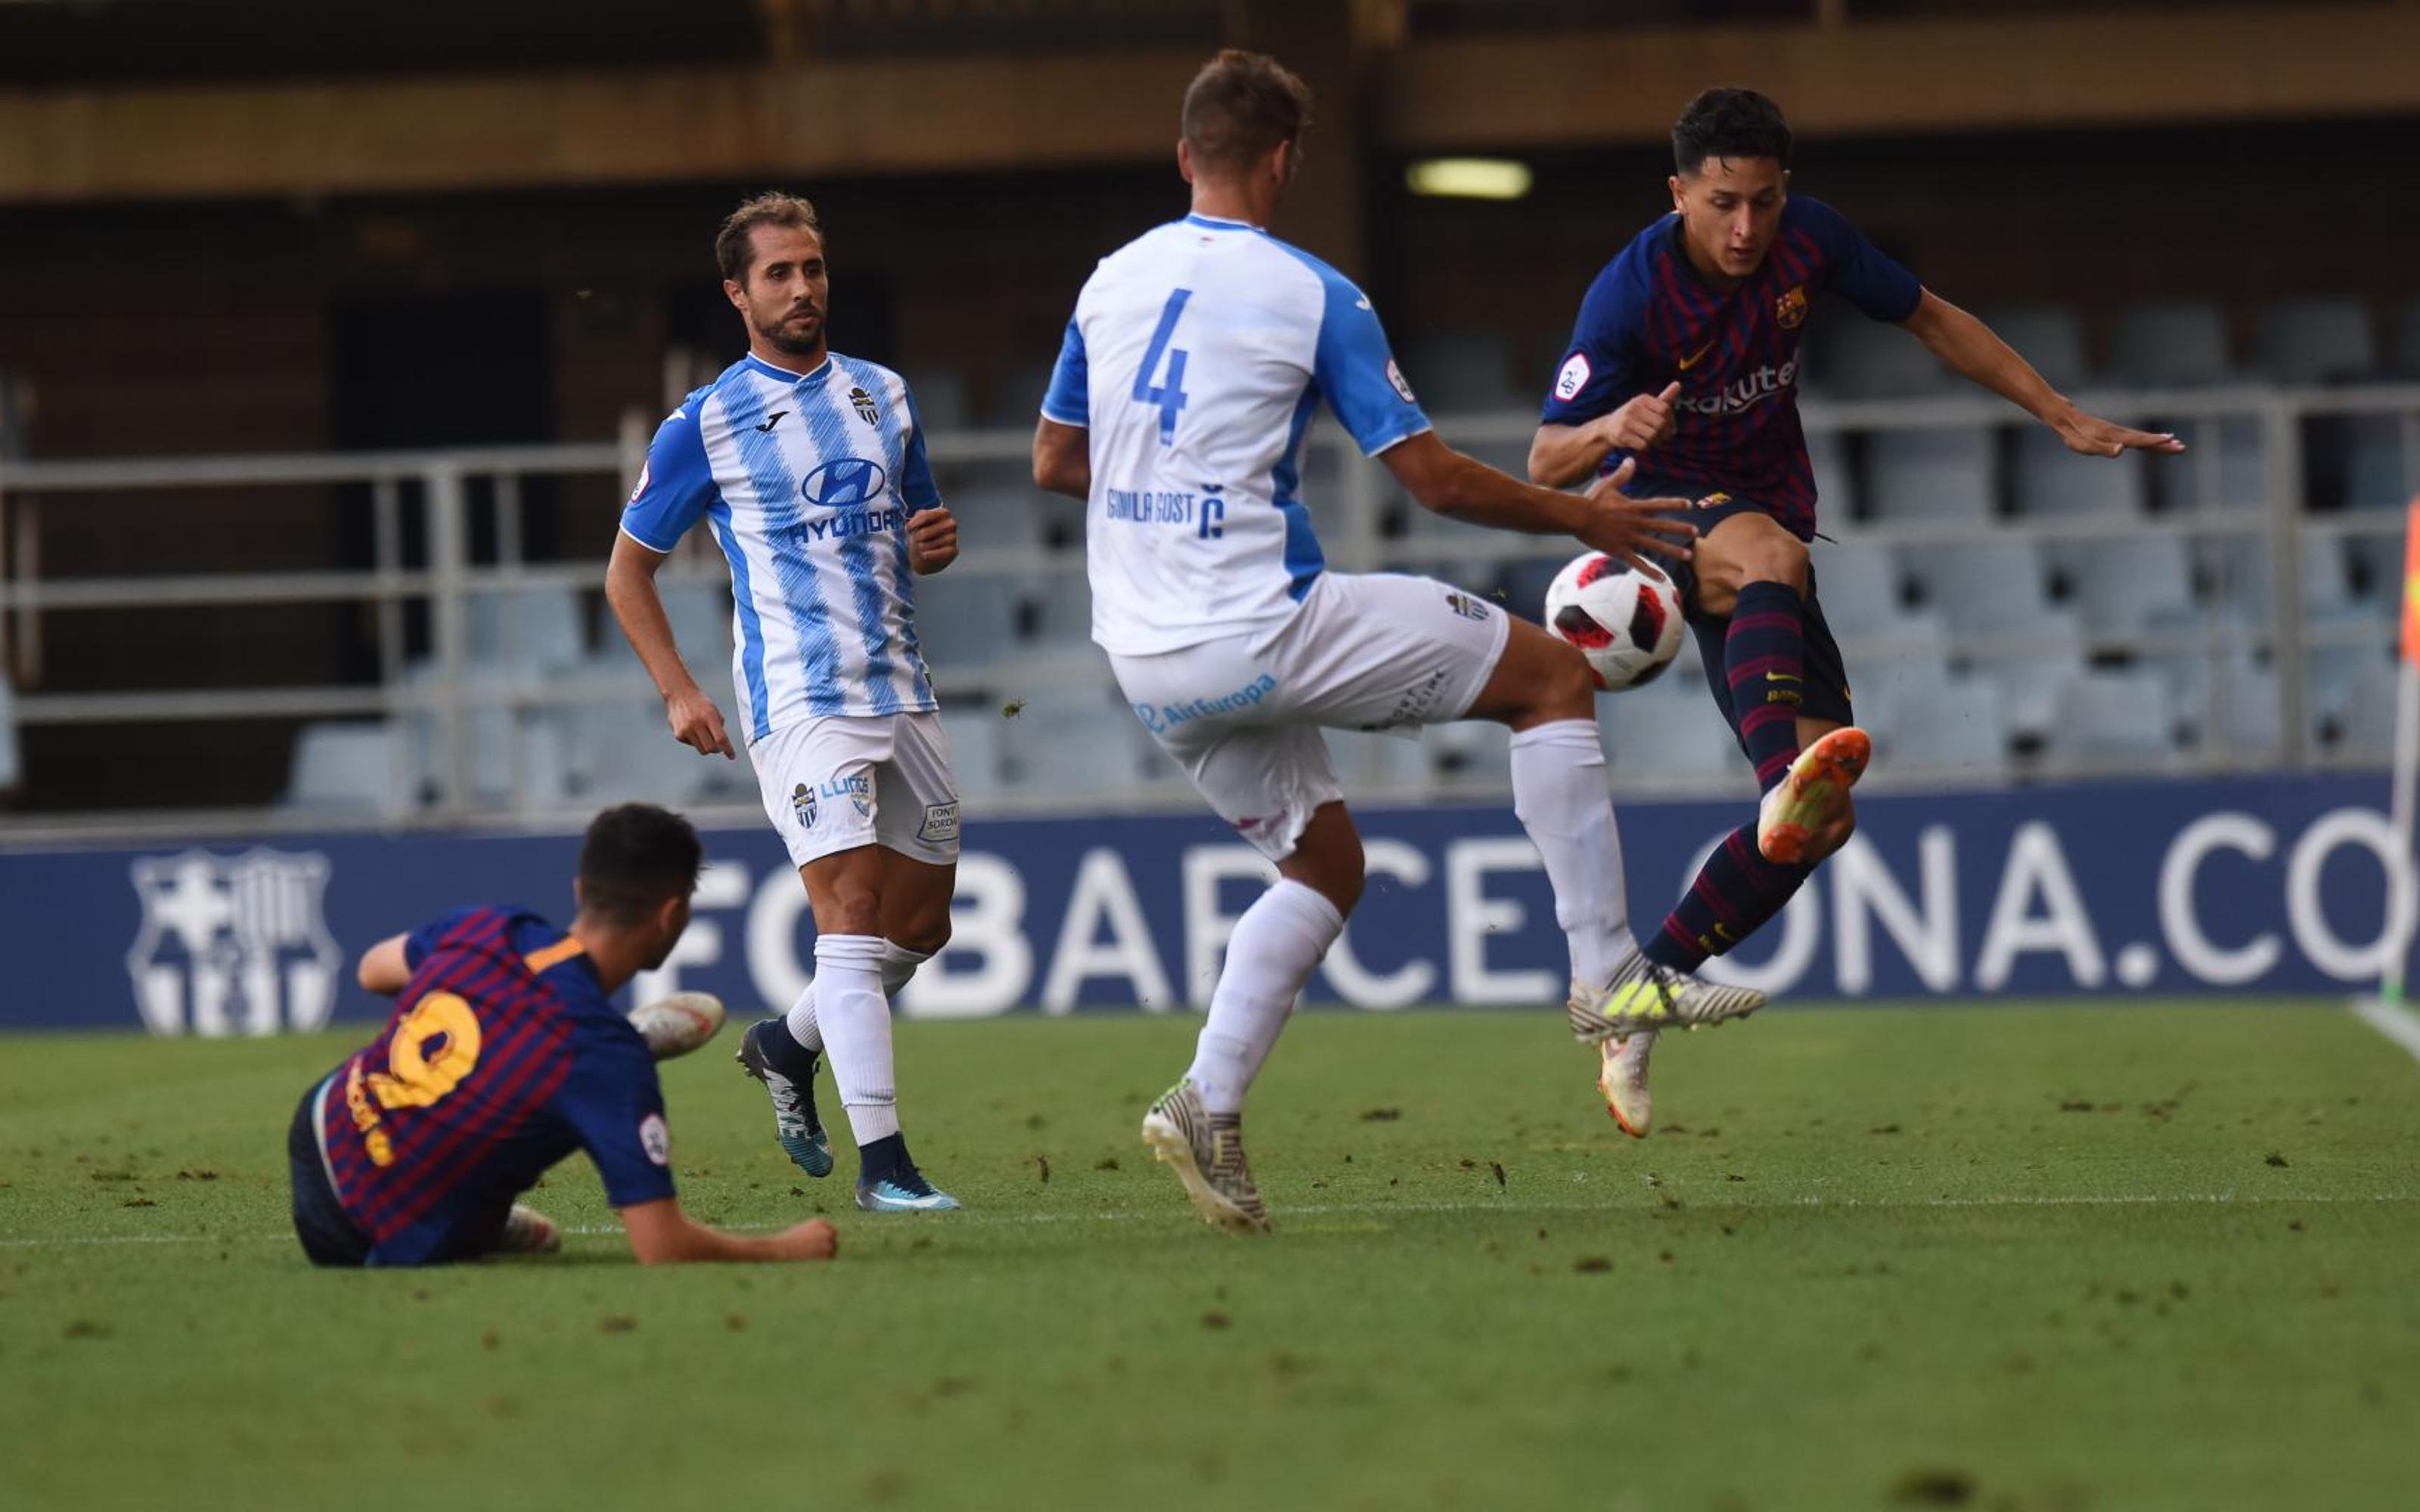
(1175, 1210)
(2393, 1020)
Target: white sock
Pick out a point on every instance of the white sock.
(1559, 795)
(1276, 944)
(855, 1018)
(898, 964)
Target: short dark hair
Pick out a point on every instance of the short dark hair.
(635, 857)
(733, 247)
(1729, 123)
(1240, 107)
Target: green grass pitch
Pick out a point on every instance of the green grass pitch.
(2158, 1256)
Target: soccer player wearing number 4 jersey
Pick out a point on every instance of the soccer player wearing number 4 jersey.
(1685, 365)
(504, 1057)
(1188, 376)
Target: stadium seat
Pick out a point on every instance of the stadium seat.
(1463, 371)
(967, 620)
(2112, 716)
(2317, 341)
(2173, 344)
(1063, 620)
(1862, 359)
(2049, 336)
(1993, 586)
(12, 769)
(1835, 485)
(995, 519)
(2122, 586)
(349, 769)
(1374, 763)
(1074, 742)
(974, 730)
(2030, 677)
(623, 752)
(1925, 721)
(2368, 726)
(2378, 475)
(2247, 591)
(700, 620)
(1931, 475)
(528, 629)
(1861, 588)
(2051, 480)
(1471, 754)
(1670, 728)
(2333, 670)
(2223, 465)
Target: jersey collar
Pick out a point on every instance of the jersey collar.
(1215, 224)
(757, 364)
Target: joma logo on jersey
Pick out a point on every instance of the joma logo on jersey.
(852, 480)
(233, 944)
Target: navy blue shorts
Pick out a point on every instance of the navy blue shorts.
(329, 1237)
(1827, 678)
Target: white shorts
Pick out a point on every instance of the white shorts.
(840, 781)
(1242, 713)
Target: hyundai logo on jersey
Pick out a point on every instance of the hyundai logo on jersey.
(851, 480)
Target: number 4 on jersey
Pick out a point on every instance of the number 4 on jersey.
(1168, 397)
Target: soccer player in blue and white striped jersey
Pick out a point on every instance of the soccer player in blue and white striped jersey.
(809, 468)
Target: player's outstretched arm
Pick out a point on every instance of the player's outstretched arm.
(630, 588)
(661, 1234)
(385, 969)
(1063, 459)
(1465, 488)
(1973, 350)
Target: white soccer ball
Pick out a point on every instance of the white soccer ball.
(1625, 622)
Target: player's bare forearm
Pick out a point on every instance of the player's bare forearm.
(1465, 488)
(661, 1234)
(1063, 459)
(1561, 455)
(1975, 351)
(631, 589)
(383, 969)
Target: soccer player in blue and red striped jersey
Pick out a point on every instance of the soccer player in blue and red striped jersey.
(1685, 359)
(502, 1056)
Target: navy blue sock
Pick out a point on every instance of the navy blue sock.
(782, 1051)
(1735, 893)
(1765, 656)
(886, 1159)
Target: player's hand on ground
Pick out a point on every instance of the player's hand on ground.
(1622, 527)
(815, 1240)
(2096, 437)
(932, 540)
(698, 724)
(1645, 421)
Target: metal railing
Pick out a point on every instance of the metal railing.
(1352, 501)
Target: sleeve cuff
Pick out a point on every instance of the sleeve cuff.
(1081, 420)
(1398, 438)
(660, 550)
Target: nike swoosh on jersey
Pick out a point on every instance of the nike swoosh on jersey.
(1698, 356)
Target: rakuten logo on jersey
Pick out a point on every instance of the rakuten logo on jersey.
(1745, 394)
